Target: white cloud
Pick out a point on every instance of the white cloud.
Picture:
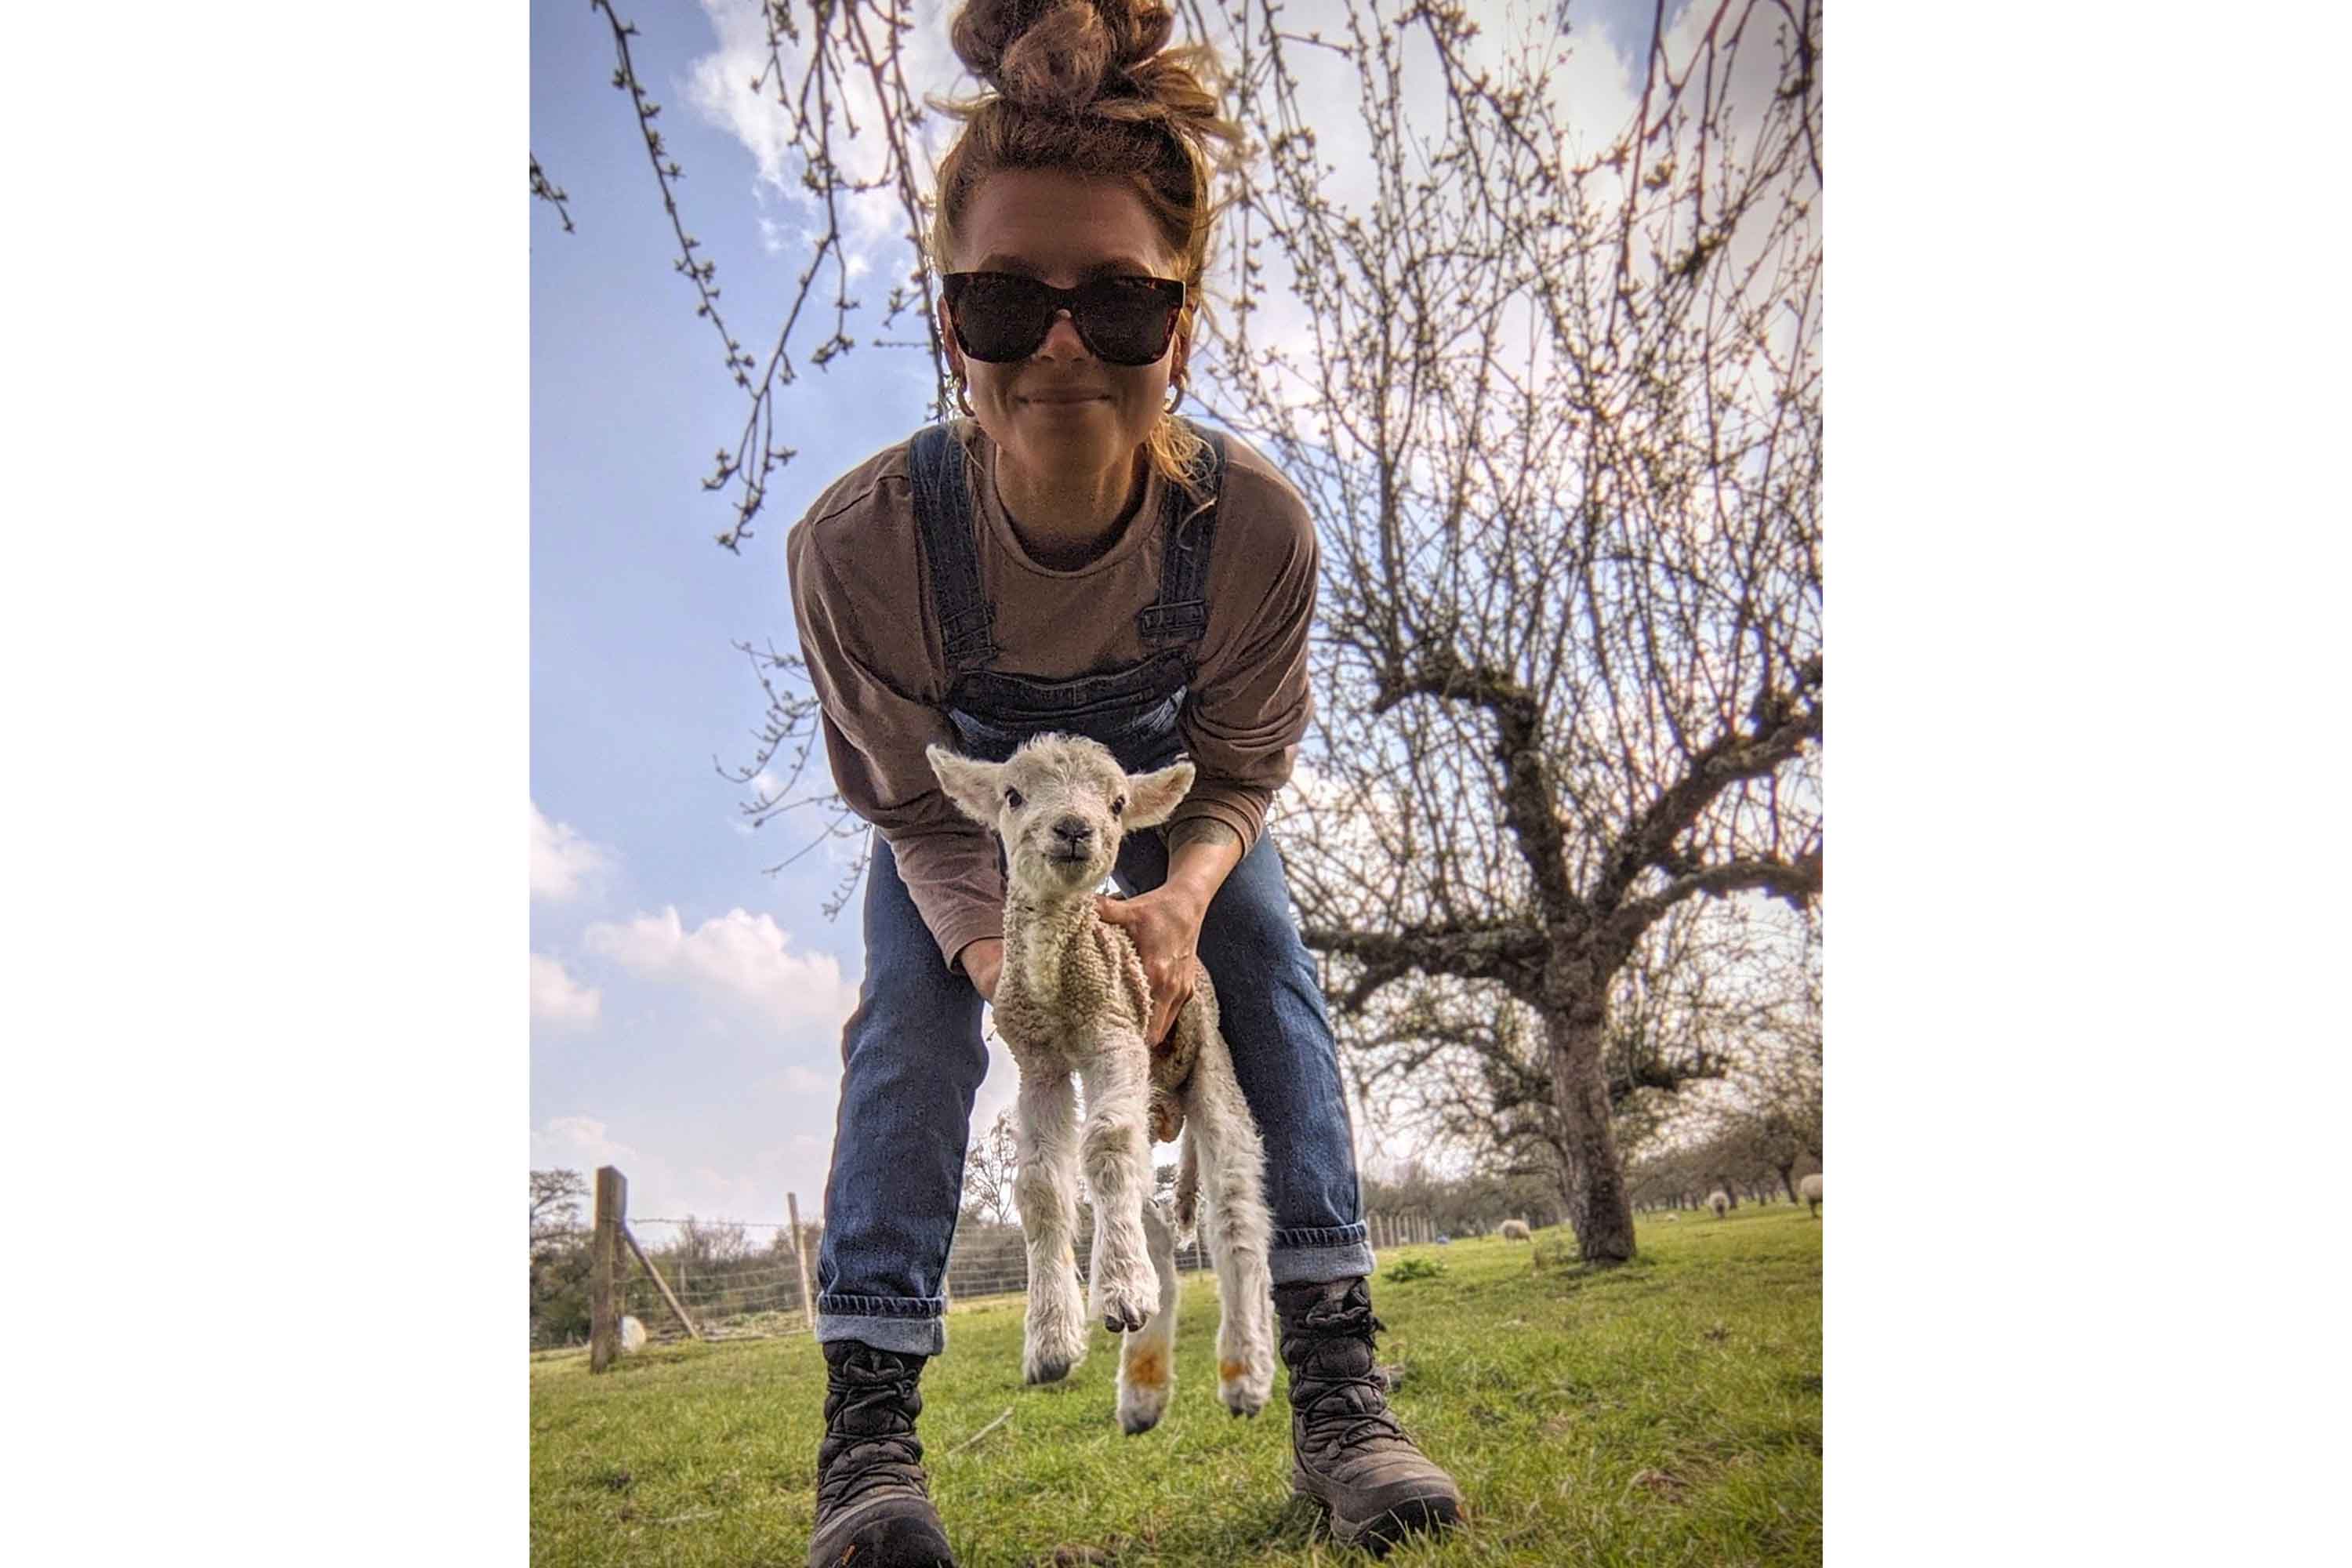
(563, 864)
(559, 1000)
(718, 85)
(661, 1186)
(737, 957)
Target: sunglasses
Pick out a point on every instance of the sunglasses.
(1001, 317)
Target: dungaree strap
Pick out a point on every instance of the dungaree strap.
(1180, 613)
(943, 521)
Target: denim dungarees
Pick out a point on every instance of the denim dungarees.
(913, 1054)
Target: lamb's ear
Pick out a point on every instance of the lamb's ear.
(975, 786)
(1152, 797)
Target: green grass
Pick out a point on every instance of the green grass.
(1666, 1413)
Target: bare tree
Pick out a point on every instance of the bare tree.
(555, 1197)
(1561, 420)
(710, 1242)
(1450, 1060)
(989, 1166)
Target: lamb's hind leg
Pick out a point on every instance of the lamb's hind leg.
(1235, 1226)
(1045, 1127)
(1118, 1156)
(1146, 1361)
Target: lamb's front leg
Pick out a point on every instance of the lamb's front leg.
(1118, 1153)
(1045, 1127)
(1147, 1361)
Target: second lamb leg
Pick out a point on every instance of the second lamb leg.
(1147, 1361)
(1236, 1228)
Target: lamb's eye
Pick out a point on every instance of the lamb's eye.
(1118, 807)
(1013, 798)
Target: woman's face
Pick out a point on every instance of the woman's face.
(1062, 408)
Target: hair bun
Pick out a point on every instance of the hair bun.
(1060, 56)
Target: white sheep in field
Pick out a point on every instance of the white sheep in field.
(1720, 1201)
(1673, 1219)
(1810, 1189)
(1517, 1230)
(1072, 998)
(633, 1334)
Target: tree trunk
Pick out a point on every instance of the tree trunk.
(1788, 1182)
(1596, 1206)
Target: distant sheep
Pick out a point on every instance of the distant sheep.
(1517, 1230)
(1810, 1189)
(1673, 1219)
(1720, 1201)
(633, 1334)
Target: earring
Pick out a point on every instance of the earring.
(1175, 394)
(963, 399)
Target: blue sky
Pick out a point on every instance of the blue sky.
(687, 1004)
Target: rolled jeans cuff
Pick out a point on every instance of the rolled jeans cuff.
(908, 1325)
(1321, 1254)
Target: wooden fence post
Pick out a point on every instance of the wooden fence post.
(800, 1260)
(605, 1268)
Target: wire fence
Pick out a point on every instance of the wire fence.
(744, 1279)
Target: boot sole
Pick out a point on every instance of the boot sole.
(1414, 1516)
(886, 1533)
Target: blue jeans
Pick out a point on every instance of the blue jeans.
(912, 1061)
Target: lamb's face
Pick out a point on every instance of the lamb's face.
(1062, 804)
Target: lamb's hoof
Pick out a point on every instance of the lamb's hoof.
(1144, 1387)
(1125, 1310)
(1243, 1391)
(1120, 1322)
(1046, 1372)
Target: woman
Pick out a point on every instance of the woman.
(1071, 556)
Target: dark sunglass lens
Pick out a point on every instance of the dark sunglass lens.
(1001, 317)
(1126, 319)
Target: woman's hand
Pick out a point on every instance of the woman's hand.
(1165, 926)
(984, 963)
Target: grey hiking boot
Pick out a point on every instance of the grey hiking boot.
(1346, 1450)
(873, 1507)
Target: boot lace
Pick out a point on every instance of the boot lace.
(1335, 1390)
(870, 1405)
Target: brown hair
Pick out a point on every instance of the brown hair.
(1089, 87)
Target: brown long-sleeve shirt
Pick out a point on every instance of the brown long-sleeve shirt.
(869, 630)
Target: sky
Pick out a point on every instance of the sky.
(686, 1003)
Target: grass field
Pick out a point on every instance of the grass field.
(1666, 1413)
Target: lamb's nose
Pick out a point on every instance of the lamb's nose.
(1072, 831)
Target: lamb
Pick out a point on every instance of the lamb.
(1810, 1189)
(633, 1334)
(1517, 1230)
(1673, 1219)
(1720, 1201)
(1072, 998)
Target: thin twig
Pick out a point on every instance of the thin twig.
(983, 1432)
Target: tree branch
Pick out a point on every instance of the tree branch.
(1784, 721)
(1511, 954)
(1530, 798)
(1796, 882)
